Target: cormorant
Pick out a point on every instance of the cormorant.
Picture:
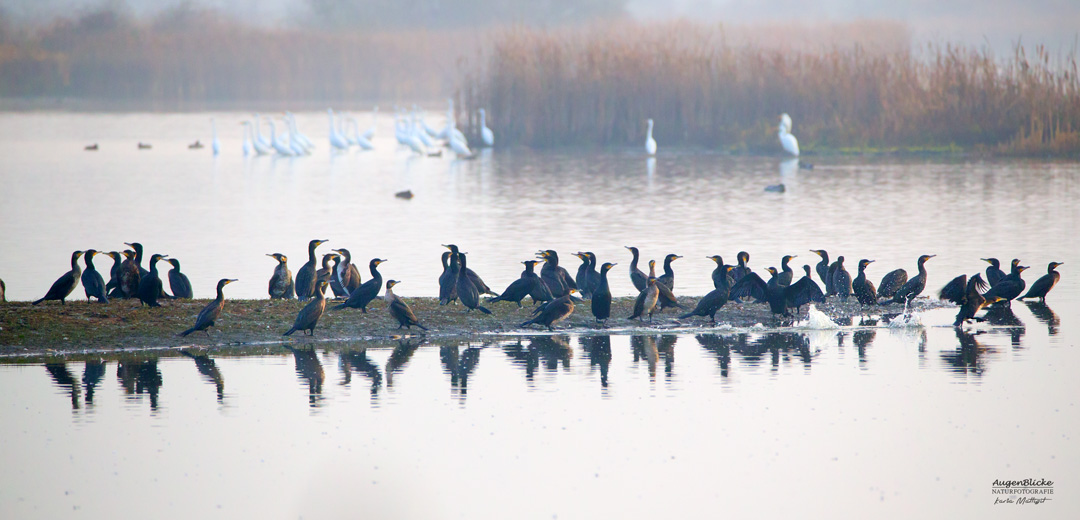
(178, 282)
(210, 313)
(750, 285)
(555, 311)
(466, 290)
(967, 294)
(666, 298)
(892, 282)
(138, 248)
(841, 280)
(448, 278)
(721, 275)
(776, 293)
(1011, 286)
(994, 274)
(863, 288)
(129, 275)
(399, 310)
(481, 287)
(913, 287)
(830, 277)
(804, 291)
(741, 267)
(668, 278)
(558, 280)
(709, 304)
(646, 300)
(3, 291)
(637, 276)
(63, 286)
(329, 273)
(524, 286)
(822, 267)
(309, 316)
(786, 273)
(594, 273)
(305, 277)
(582, 278)
(150, 287)
(281, 282)
(601, 297)
(346, 273)
(112, 288)
(92, 282)
(368, 291)
(1044, 283)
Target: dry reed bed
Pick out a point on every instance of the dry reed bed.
(598, 85)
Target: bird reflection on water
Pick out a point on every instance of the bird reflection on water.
(598, 350)
(139, 377)
(359, 361)
(1045, 315)
(459, 365)
(209, 370)
(551, 351)
(310, 370)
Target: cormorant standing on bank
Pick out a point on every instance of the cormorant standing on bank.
(862, 287)
(709, 304)
(466, 290)
(1011, 286)
(92, 282)
(448, 278)
(308, 317)
(841, 280)
(1044, 283)
(601, 297)
(63, 286)
(994, 274)
(637, 276)
(281, 282)
(554, 311)
(305, 277)
(178, 282)
(668, 278)
(527, 284)
(150, 287)
(209, 315)
(646, 300)
(913, 287)
(368, 291)
(398, 309)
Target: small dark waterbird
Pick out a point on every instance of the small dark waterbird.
(308, 317)
(913, 287)
(368, 291)
(208, 315)
(600, 304)
(178, 282)
(994, 274)
(150, 286)
(709, 304)
(862, 287)
(281, 282)
(63, 286)
(467, 292)
(305, 277)
(1044, 283)
(554, 311)
(92, 281)
(399, 310)
(637, 276)
(1011, 286)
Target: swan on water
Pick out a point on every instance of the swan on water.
(787, 140)
(650, 143)
(485, 133)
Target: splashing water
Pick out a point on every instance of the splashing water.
(906, 319)
(816, 319)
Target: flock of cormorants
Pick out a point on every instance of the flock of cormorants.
(553, 289)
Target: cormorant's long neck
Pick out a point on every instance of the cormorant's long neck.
(153, 265)
(89, 259)
(176, 265)
(633, 263)
(462, 266)
(75, 262)
(603, 277)
(528, 269)
(667, 267)
(374, 268)
(311, 253)
(220, 292)
(445, 260)
(922, 268)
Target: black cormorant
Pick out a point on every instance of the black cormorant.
(524, 286)
(209, 315)
(448, 278)
(913, 287)
(805, 290)
(481, 287)
(129, 275)
(150, 287)
(112, 288)
(330, 274)
(138, 248)
(967, 294)
(721, 274)
(1044, 283)
(1011, 286)
(637, 276)
(558, 280)
(399, 310)
(709, 304)
(178, 282)
(892, 282)
(467, 292)
(841, 280)
(822, 267)
(787, 275)
(3, 291)
(368, 291)
(741, 266)
(305, 277)
(750, 285)
(308, 317)
(994, 274)
(63, 286)
(281, 282)
(346, 272)
(776, 293)
(646, 300)
(601, 298)
(92, 282)
(554, 311)
(862, 287)
(668, 278)
(582, 278)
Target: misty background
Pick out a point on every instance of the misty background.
(997, 24)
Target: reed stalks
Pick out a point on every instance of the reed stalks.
(597, 86)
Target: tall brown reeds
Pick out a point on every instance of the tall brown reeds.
(598, 85)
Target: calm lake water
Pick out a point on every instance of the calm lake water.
(870, 421)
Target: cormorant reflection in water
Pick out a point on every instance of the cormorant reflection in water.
(459, 365)
(598, 349)
(93, 373)
(966, 359)
(63, 378)
(400, 357)
(1044, 314)
(310, 370)
(208, 369)
(1003, 316)
(862, 338)
(719, 346)
(359, 361)
(644, 347)
(139, 377)
(551, 350)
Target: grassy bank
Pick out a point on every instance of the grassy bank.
(598, 85)
(123, 324)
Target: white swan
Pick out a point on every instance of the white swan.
(257, 137)
(275, 144)
(787, 140)
(259, 148)
(335, 139)
(650, 143)
(294, 143)
(360, 140)
(485, 133)
(420, 130)
(215, 145)
(304, 141)
(370, 133)
(460, 147)
(247, 142)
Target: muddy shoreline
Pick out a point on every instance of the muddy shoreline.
(123, 325)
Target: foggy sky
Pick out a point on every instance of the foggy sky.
(998, 23)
